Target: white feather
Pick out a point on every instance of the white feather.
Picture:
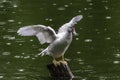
(71, 23)
(27, 31)
(43, 33)
(41, 37)
(58, 42)
(76, 19)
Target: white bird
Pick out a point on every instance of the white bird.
(58, 42)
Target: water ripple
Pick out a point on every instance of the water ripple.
(108, 17)
(116, 62)
(1, 77)
(11, 20)
(61, 8)
(2, 23)
(21, 70)
(6, 53)
(9, 37)
(88, 40)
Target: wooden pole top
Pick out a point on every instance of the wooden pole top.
(60, 71)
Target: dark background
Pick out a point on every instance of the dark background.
(93, 55)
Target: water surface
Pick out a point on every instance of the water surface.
(93, 55)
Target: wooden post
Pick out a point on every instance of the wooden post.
(60, 71)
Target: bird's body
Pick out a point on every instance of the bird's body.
(59, 42)
(59, 46)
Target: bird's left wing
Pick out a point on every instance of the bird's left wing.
(43, 33)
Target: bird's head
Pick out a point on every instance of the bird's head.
(72, 30)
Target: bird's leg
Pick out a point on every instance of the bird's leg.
(63, 60)
(55, 62)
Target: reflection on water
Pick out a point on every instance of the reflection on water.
(95, 52)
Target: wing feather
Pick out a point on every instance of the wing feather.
(43, 33)
(71, 23)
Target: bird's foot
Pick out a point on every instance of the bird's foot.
(63, 62)
(56, 63)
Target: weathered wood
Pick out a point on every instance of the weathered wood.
(60, 71)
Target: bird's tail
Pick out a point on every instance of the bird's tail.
(44, 52)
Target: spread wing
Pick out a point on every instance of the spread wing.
(43, 33)
(71, 23)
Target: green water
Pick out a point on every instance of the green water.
(93, 55)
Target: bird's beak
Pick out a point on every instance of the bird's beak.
(74, 32)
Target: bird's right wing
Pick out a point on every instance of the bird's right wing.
(71, 23)
(75, 19)
(43, 33)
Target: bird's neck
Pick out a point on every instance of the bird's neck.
(68, 35)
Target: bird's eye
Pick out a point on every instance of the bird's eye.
(70, 29)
